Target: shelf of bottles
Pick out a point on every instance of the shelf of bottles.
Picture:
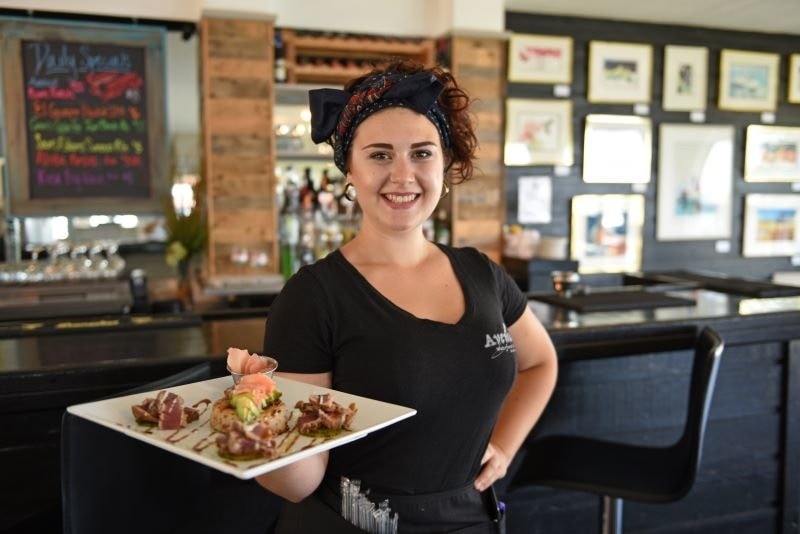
(315, 218)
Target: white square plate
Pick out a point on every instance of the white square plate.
(196, 440)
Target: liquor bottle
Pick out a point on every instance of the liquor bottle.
(308, 193)
(280, 60)
(290, 224)
(442, 227)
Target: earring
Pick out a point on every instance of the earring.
(445, 189)
(349, 192)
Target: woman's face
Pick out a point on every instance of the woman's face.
(397, 168)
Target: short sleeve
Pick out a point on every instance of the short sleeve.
(298, 327)
(512, 298)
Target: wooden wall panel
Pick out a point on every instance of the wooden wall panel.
(238, 100)
(478, 206)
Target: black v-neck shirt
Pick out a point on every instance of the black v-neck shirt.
(328, 317)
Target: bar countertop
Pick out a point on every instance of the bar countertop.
(63, 345)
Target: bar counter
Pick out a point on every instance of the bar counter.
(623, 375)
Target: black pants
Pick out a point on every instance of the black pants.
(463, 511)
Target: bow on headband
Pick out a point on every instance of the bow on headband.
(335, 113)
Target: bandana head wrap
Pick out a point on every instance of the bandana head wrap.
(335, 114)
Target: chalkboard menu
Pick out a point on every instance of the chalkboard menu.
(86, 113)
(86, 121)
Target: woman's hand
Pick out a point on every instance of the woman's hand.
(495, 463)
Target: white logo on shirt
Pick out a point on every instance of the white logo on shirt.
(500, 342)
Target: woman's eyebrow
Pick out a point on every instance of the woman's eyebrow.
(377, 145)
(389, 146)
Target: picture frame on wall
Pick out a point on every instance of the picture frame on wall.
(772, 154)
(748, 81)
(685, 78)
(617, 149)
(620, 73)
(771, 225)
(793, 88)
(540, 59)
(695, 182)
(538, 132)
(606, 232)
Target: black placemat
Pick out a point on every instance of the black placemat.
(739, 286)
(614, 301)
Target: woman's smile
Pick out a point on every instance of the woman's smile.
(400, 200)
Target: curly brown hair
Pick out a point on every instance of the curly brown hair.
(454, 103)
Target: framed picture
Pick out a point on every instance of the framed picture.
(538, 132)
(771, 225)
(540, 58)
(620, 72)
(685, 78)
(772, 154)
(617, 149)
(748, 81)
(793, 95)
(695, 182)
(606, 233)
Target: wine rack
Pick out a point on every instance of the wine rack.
(322, 58)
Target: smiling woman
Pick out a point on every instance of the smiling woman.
(395, 317)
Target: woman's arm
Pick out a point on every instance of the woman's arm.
(536, 378)
(298, 480)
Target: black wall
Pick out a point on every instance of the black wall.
(656, 255)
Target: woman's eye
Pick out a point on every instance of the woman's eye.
(422, 154)
(379, 155)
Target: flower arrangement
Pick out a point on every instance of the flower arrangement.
(186, 236)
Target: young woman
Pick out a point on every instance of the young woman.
(395, 317)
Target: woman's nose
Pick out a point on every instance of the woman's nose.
(402, 171)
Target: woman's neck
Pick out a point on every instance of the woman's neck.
(372, 248)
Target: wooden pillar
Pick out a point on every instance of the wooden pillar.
(478, 206)
(236, 62)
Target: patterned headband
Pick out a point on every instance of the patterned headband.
(335, 114)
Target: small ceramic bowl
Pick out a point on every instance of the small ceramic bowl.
(270, 364)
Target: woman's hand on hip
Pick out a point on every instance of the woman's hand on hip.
(494, 465)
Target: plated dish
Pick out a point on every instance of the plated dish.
(197, 440)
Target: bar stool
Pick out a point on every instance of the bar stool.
(618, 471)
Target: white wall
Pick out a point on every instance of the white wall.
(183, 84)
(430, 18)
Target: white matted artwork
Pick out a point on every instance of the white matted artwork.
(685, 78)
(793, 92)
(538, 132)
(695, 182)
(771, 225)
(617, 149)
(534, 199)
(748, 81)
(620, 72)
(606, 233)
(540, 58)
(772, 154)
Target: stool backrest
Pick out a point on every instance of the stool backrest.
(104, 474)
(707, 353)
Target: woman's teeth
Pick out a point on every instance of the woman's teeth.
(400, 198)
